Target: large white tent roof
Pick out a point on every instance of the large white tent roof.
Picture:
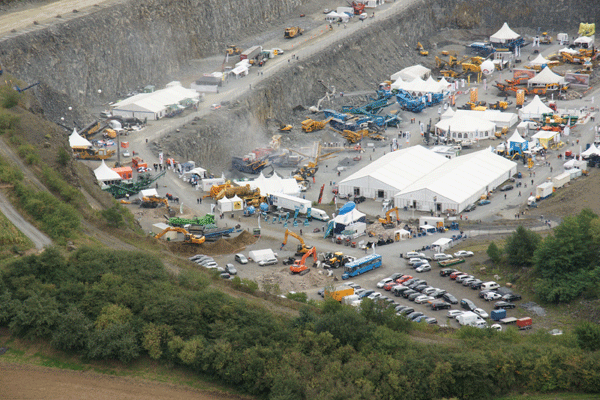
(534, 109)
(77, 141)
(462, 176)
(104, 173)
(397, 169)
(504, 34)
(539, 60)
(273, 184)
(593, 150)
(545, 77)
(420, 86)
(158, 100)
(500, 118)
(465, 124)
(412, 72)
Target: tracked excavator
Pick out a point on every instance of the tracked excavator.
(309, 170)
(187, 237)
(422, 50)
(299, 267)
(282, 127)
(387, 222)
(302, 247)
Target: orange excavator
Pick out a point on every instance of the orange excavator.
(299, 267)
(358, 7)
(387, 221)
(187, 237)
(302, 247)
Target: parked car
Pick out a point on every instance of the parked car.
(506, 188)
(483, 202)
(230, 269)
(470, 207)
(382, 282)
(241, 258)
(447, 271)
(413, 296)
(440, 305)
(423, 299)
(388, 286)
(441, 256)
(475, 284)
(365, 294)
(225, 275)
(449, 298)
(424, 268)
(210, 265)
(196, 257)
(491, 296)
(408, 292)
(396, 275)
(463, 253)
(408, 310)
(429, 290)
(400, 307)
(496, 327)
(457, 273)
(420, 264)
(414, 254)
(414, 315)
(404, 278)
(454, 313)
(511, 297)
(410, 281)
(431, 320)
(413, 261)
(461, 278)
(417, 283)
(438, 293)
(481, 312)
(268, 261)
(467, 282)
(321, 292)
(483, 292)
(504, 305)
(374, 295)
(467, 304)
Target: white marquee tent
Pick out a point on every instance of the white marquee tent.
(449, 113)
(105, 175)
(500, 118)
(410, 73)
(274, 184)
(154, 105)
(78, 141)
(465, 127)
(593, 150)
(545, 77)
(386, 176)
(534, 109)
(225, 204)
(419, 86)
(504, 35)
(457, 183)
(539, 60)
(516, 142)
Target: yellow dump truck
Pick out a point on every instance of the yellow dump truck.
(339, 292)
(292, 32)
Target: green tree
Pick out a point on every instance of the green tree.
(520, 247)
(113, 314)
(113, 216)
(588, 336)
(72, 330)
(37, 316)
(300, 297)
(117, 341)
(494, 253)
(63, 157)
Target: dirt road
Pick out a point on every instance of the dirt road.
(38, 238)
(31, 382)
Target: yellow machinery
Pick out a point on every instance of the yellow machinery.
(452, 62)
(587, 29)
(216, 189)
(470, 67)
(111, 133)
(422, 50)
(302, 247)
(282, 127)
(85, 153)
(545, 38)
(500, 105)
(520, 97)
(154, 201)
(475, 106)
(310, 125)
(387, 221)
(292, 32)
(299, 266)
(504, 131)
(310, 169)
(448, 73)
(187, 237)
(232, 49)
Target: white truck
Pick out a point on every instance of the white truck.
(260, 255)
(290, 203)
(349, 300)
(469, 318)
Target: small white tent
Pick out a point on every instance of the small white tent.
(545, 77)
(225, 204)
(448, 114)
(504, 35)
(106, 175)
(412, 72)
(534, 110)
(593, 150)
(77, 141)
(516, 142)
(539, 60)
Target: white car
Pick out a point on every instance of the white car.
(430, 290)
(491, 296)
(497, 327)
(382, 282)
(463, 253)
(453, 313)
(481, 312)
(268, 261)
(423, 299)
(424, 268)
(374, 295)
(461, 278)
(210, 265)
(413, 261)
(414, 254)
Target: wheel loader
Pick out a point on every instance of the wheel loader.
(292, 32)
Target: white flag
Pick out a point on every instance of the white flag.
(160, 158)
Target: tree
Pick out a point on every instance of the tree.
(63, 157)
(588, 336)
(520, 247)
(113, 216)
(118, 341)
(494, 253)
(72, 331)
(35, 317)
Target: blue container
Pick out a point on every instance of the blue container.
(497, 315)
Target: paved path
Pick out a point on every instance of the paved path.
(39, 239)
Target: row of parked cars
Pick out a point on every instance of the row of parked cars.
(210, 263)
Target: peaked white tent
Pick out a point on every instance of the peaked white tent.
(539, 60)
(449, 113)
(593, 150)
(106, 175)
(237, 204)
(516, 142)
(78, 141)
(272, 185)
(225, 204)
(412, 72)
(545, 77)
(504, 35)
(534, 109)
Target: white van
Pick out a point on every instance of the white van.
(441, 256)
(319, 214)
(489, 285)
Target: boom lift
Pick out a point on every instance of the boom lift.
(387, 221)
(302, 247)
(299, 267)
(187, 237)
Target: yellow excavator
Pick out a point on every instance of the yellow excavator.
(387, 221)
(187, 237)
(232, 49)
(154, 201)
(302, 247)
(422, 50)
(299, 267)
(310, 169)
(282, 127)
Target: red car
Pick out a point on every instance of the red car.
(456, 274)
(403, 278)
(388, 286)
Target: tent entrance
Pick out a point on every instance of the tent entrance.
(380, 194)
(356, 191)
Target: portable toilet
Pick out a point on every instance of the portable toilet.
(497, 315)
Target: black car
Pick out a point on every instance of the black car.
(450, 299)
(408, 310)
(447, 271)
(504, 305)
(415, 284)
(421, 287)
(506, 188)
(396, 276)
(408, 292)
(321, 292)
(413, 296)
(440, 305)
(511, 297)
(438, 293)
(398, 292)
(400, 307)
(410, 281)
(470, 207)
(414, 315)
(467, 304)
(476, 284)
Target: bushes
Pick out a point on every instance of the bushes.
(9, 97)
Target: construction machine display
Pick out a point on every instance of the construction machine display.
(302, 247)
(310, 125)
(358, 7)
(144, 181)
(387, 222)
(232, 49)
(336, 260)
(187, 237)
(282, 127)
(86, 153)
(292, 32)
(545, 38)
(299, 267)
(422, 50)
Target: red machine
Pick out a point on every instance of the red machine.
(299, 266)
(358, 7)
